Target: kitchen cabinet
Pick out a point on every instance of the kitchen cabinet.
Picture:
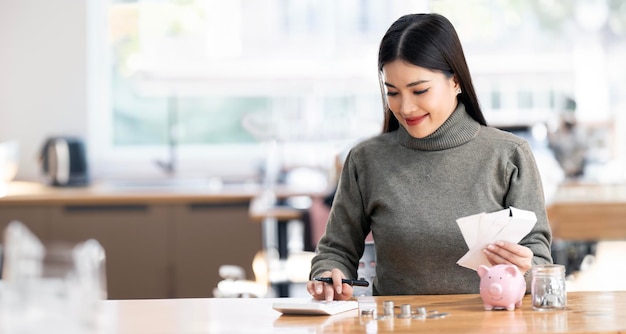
(207, 235)
(136, 241)
(35, 218)
(157, 250)
(165, 243)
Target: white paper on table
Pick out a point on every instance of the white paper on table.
(482, 229)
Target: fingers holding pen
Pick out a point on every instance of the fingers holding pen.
(337, 285)
(337, 290)
(321, 290)
(316, 288)
(332, 290)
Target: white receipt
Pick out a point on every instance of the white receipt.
(482, 229)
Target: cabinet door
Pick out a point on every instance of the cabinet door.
(135, 239)
(207, 235)
(36, 218)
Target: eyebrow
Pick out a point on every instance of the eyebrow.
(414, 83)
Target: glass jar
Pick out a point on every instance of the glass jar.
(548, 287)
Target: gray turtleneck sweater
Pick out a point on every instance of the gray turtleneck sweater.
(409, 193)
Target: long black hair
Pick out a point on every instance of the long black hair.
(428, 41)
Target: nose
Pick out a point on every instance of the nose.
(495, 289)
(408, 106)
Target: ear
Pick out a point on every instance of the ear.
(512, 270)
(482, 270)
(455, 80)
(455, 84)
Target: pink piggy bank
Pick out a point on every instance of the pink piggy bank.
(501, 286)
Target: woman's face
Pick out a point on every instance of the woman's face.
(421, 99)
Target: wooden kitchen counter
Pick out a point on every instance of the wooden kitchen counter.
(170, 241)
(579, 211)
(583, 211)
(162, 240)
(34, 193)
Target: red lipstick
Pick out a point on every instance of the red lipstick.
(412, 121)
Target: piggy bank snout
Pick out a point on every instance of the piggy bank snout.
(495, 289)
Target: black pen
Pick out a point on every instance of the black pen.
(357, 282)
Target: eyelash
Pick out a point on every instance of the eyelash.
(419, 92)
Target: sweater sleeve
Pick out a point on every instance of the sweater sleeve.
(343, 242)
(526, 192)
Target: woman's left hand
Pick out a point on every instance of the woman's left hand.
(504, 252)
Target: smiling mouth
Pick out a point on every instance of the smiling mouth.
(496, 298)
(415, 120)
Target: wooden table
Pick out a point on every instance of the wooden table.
(589, 212)
(587, 312)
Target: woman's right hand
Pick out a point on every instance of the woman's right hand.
(325, 291)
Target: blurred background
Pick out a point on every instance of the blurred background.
(216, 79)
(220, 91)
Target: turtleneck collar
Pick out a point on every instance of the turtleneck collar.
(457, 130)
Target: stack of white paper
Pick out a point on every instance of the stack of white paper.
(482, 229)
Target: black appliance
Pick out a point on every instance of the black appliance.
(64, 162)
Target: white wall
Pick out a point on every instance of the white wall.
(43, 74)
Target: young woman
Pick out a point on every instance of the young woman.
(436, 161)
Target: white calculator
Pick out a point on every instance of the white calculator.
(315, 307)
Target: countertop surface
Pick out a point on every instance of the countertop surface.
(34, 193)
(587, 211)
(185, 190)
(200, 188)
(576, 192)
(586, 312)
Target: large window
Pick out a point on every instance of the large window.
(212, 81)
(217, 79)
